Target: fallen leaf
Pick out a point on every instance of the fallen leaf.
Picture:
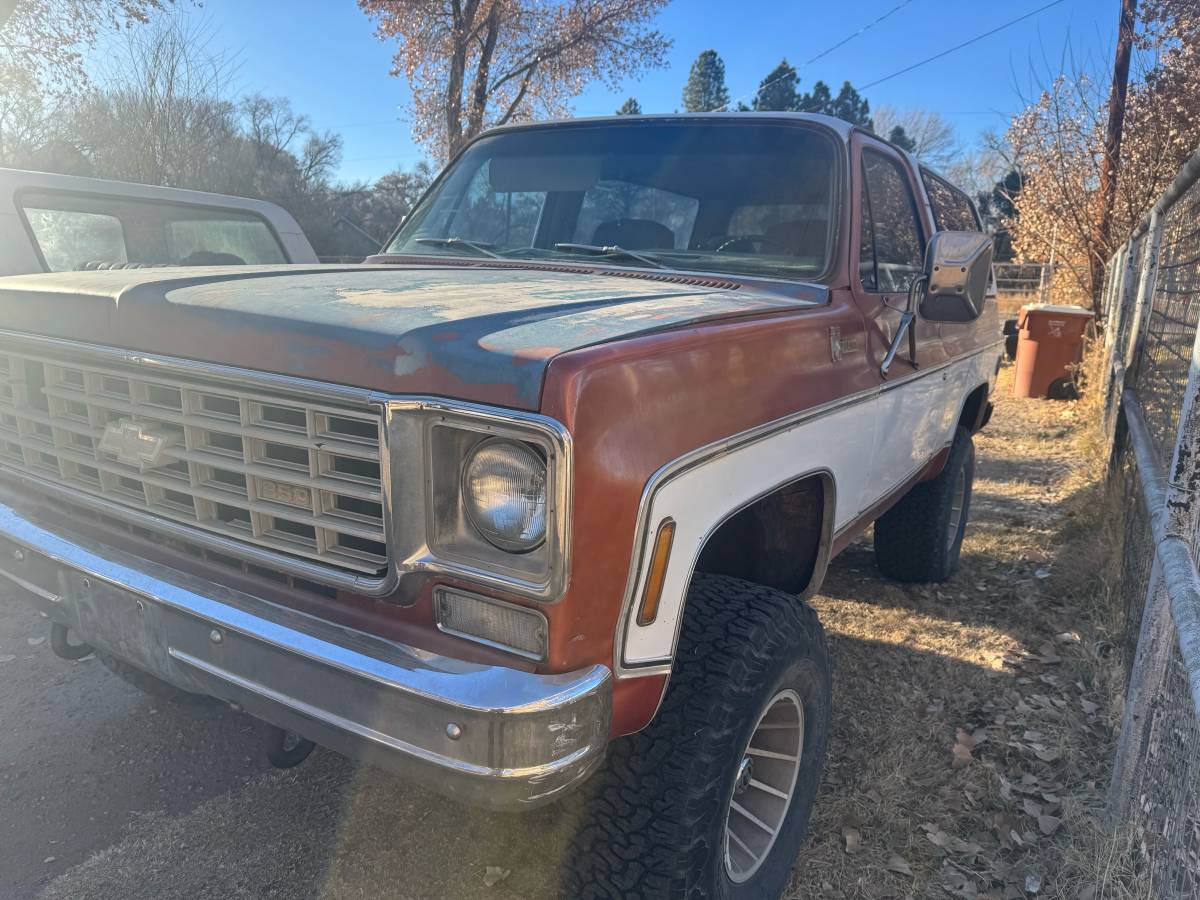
(1047, 755)
(33, 642)
(1088, 706)
(493, 875)
(899, 865)
(1034, 809)
(853, 839)
(6, 657)
(1049, 824)
(962, 756)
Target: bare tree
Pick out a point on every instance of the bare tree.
(43, 39)
(934, 140)
(41, 59)
(477, 63)
(272, 126)
(161, 113)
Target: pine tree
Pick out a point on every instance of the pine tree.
(818, 100)
(851, 107)
(705, 89)
(900, 138)
(848, 105)
(777, 92)
(630, 108)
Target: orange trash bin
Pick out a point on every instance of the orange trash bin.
(1049, 345)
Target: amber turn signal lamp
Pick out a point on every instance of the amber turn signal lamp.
(648, 611)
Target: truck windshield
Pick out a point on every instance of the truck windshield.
(753, 198)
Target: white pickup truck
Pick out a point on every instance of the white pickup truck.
(64, 223)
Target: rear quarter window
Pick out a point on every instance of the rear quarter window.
(952, 209)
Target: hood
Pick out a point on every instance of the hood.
(478, 334)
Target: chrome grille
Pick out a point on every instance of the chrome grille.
(270, 469)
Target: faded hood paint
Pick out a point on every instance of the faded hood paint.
(478, 334)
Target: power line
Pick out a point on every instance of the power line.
(823, 53)
(966, 43)
(863, 30)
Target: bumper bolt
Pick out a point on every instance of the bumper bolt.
(215, 636)
(453, 731)
(19, 555)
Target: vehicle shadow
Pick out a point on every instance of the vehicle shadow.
(332, 829)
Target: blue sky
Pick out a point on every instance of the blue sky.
(324, 56)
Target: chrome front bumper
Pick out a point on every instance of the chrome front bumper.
(488, 735)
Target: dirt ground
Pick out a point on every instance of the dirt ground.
(973, 733)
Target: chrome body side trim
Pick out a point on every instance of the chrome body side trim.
(518, 738)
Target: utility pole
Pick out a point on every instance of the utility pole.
(1102, 231)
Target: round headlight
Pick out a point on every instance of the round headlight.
(504, 491)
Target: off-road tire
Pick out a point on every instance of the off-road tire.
(654, 824)
(913, 540)
(149, 684)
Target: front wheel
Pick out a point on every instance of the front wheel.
(920, 538)
(712, 799)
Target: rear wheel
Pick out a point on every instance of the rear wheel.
(920, 538)
(712, 799)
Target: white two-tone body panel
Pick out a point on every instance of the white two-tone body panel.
(867, 445)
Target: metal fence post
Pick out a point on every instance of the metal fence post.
(1145, 290)
(1183, 517)
(1120, 336)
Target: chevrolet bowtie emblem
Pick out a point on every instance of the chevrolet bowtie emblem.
(136, 444)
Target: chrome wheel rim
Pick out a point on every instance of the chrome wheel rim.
(957, 501)
(763, 786)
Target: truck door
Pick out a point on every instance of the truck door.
(892, 230)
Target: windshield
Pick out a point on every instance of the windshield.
(721, 196)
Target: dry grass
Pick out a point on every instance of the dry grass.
(974, 720)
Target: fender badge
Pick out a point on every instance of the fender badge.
(839, 346)
(136, 443)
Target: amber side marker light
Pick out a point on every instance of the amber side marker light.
(648, 611)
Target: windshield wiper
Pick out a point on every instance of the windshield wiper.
(612, 250)
(458, 242)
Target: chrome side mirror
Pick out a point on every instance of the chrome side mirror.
(958, 267)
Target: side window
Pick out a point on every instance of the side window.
(69, 240)
(891, 229)
(952, 210)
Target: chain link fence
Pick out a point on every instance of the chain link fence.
(1152, 412)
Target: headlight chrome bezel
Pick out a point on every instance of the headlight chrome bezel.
(430, 441)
